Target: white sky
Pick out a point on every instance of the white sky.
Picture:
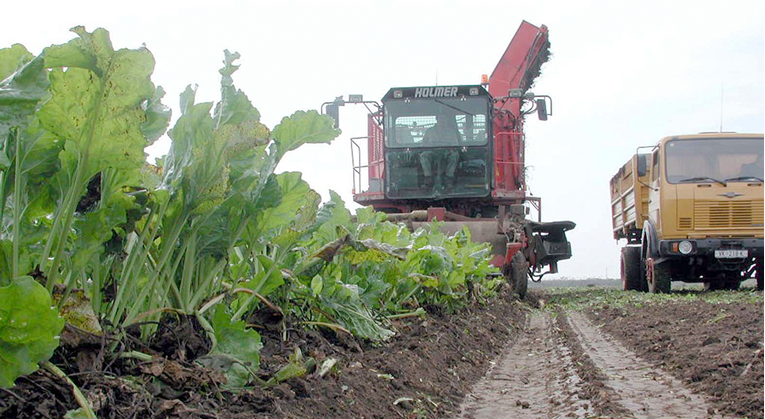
(622, 74)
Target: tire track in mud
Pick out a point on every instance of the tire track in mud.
(647, 392)
(535, 378)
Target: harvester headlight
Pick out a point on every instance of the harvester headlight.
(473, 91)
(685, 247)
(398, 94)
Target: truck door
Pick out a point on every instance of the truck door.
(654, 196)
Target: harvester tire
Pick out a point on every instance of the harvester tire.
(518, 275)
(632, 276)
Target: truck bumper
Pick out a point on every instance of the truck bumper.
(706, 247)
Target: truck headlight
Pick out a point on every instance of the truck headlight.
(685, 247)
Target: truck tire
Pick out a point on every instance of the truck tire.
(712, 286)
(658, 278)
(722, 286)
(632, 277)
(517, 275)
(726, 282)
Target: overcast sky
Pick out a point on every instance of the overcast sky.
(622, 75)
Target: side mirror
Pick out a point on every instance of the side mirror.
(334, 111)
(642, 165)
(542, 109)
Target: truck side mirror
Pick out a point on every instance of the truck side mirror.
(542, 109)
(334, 111)
(642, 165)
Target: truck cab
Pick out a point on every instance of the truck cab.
(702, 212)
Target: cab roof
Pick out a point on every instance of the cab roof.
(708, 135)
(435, 92)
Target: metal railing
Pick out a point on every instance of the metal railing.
(356, 151)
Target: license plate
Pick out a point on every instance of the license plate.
(731, 254)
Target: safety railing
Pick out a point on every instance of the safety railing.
(357, 164)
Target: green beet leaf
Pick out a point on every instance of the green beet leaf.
(303, 128)
(284, 223)
(11, 59)
(97, 102)
(20, 94)
(237, 351)
(29, 328)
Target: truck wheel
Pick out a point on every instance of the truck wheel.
(712, 286)
(632, 279)
(657, 276)
(722, 286)
(518, 275)
(724, 283)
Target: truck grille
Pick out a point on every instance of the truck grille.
(730, 214)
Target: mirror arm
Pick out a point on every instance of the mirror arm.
(648, 186)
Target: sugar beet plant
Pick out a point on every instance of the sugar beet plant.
(211, 232)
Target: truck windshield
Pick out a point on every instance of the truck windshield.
(436, 122)
(714, 160)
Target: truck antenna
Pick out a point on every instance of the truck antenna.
(722, 96)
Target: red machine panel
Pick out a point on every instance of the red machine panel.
(376, 149)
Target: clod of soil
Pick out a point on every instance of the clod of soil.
(180, 337)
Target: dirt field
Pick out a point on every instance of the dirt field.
(580, 353)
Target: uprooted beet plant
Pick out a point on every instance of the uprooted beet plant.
(209, 233)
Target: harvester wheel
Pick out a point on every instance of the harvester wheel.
(518, 275)
(632, 277)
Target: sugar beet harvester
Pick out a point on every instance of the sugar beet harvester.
(456, 154)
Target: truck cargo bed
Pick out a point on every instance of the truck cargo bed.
(629, 197)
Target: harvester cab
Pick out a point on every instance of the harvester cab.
(456, 154)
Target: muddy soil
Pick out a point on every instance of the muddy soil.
(676, 359)
(714, 349)
(423, 372)
(566, 367)
(534, 378)
(644, 390)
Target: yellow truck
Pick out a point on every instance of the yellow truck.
(691, 210)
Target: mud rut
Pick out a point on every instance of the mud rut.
(536, 378)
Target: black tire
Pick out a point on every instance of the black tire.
(758, 275)
(726, 282)
(518, 275)
(722, 286)
(714, 286)
(632, 277)
(662, 282)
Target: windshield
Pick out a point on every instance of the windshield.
(457, 122)
(714, 160)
